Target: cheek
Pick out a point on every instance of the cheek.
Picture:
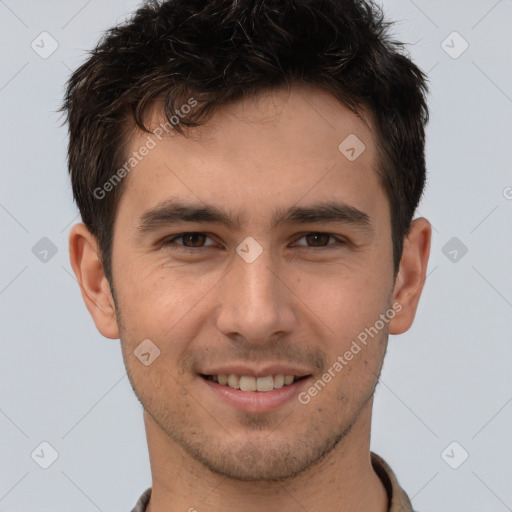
(348, 306)
(162, 303)
(346, 300)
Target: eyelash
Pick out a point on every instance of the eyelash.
(170, 242)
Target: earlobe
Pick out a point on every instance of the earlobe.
(411, 275)
(94, 286)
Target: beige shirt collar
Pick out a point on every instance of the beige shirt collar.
(398, 500)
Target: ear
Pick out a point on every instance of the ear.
(411, 275)
(88, 269)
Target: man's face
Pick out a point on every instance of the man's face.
(290, 309)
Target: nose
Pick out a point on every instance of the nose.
(256, 301)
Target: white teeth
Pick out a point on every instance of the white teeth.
(265, 383)
(249, 383)
(233, 381)
(278, 381)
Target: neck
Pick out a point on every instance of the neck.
(344, 480)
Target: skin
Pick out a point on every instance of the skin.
(303, 300)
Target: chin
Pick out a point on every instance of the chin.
(265, 460)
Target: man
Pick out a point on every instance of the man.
(247, 174)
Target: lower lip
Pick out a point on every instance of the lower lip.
(257, 401)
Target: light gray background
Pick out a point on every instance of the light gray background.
(448, 379)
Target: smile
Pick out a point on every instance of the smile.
(250, 383)
(255, 394)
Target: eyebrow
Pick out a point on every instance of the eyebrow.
(173, 211)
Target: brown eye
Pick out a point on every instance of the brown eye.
(193, 239)
(190, 240)
(318, 239)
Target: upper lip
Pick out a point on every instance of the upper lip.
(261, 371)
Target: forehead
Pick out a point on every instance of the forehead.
(270, 149)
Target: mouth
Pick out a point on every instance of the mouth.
(260, 393)
(250, 383)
